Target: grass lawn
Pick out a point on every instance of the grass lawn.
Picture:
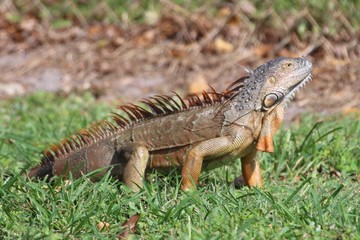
(311, 187)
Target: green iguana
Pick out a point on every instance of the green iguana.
(202, 132)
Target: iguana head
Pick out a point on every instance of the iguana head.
(274, 84)
(282, 78)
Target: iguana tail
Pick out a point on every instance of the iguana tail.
(43, 170)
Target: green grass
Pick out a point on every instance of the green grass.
(300, 199)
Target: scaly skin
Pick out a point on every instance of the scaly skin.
(202, 135)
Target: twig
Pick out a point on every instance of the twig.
(176, 8)
(78, 14)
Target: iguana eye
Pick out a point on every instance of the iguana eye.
(270, 100)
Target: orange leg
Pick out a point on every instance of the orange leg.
(135, 168)
(193, 162)
(191, 171)
(251, 171)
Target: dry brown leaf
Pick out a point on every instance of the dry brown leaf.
(286, 53)
(101, 225)
(263, 50)
(338, 62)
(146, 39)
(129, 227)
(334, 173)
(248, 7)
(104, 67)
(224, 11)
(66, 183)
(198, 84)
(350, 110)
(178, 52)
(222, 46)
(95, 30)
(234, 21)
(28, 24)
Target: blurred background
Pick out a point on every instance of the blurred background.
(126, 50)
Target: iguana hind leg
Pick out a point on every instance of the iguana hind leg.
(135, 158)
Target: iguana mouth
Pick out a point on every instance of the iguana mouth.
(294, 89)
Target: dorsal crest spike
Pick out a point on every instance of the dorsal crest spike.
(236, 84)
(121, 121)
(54, 149)
(134, 111)
(155, 109)
(161, 103)
(66, 145)
(75, 141)
(109, 125)
(170, 101)
(130, 114)
(207, 98)
(142, 111)
(194, 100)
(183, 104)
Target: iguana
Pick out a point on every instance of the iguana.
(203, 132)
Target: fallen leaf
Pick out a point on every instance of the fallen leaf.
(105, 67)
(248, 7)
(129, 227)
(334, 173)
(95, 30)
(101, 225)
(146, 39)
(198, 84)
(287, 53)
(224, 11)
(350, 110)
(262, 50)
(222, 46)
(66, 183)
(28, 24)
(178, 52)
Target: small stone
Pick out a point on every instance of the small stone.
(101, 225)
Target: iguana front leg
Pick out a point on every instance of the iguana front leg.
(221, 146)
(251, 172)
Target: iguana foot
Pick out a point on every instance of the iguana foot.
(251, 171)
(239, 182)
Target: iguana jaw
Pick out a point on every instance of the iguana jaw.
(287, 78)
(296, 89)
